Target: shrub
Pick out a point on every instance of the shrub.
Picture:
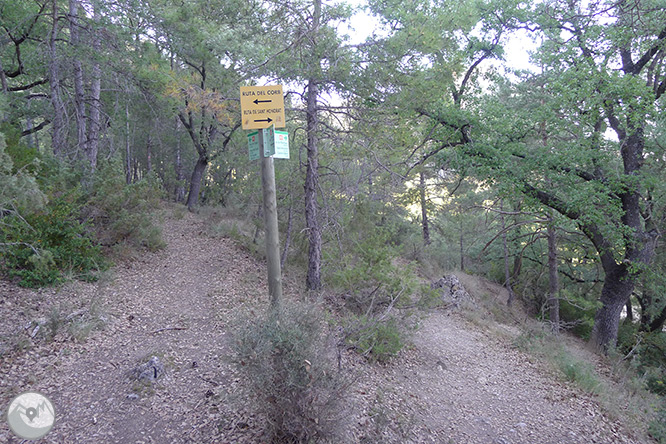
(378, 340)
(121, 212)
(657, 427)
(371, 279)
(44, 245)
(579, 372)
(284, 359)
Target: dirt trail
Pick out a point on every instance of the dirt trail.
(459, 385)
(455, 385)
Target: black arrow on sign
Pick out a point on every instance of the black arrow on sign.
(257, 101)
(269, 120)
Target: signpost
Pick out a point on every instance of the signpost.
(262, 108)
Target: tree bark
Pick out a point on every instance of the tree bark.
(507, 273)
(180, 175)
(3, 79)
(79, 82)
(95, 103)
(128, 151)
(58, 132)
(617, 288)
(462, 249)
(553, 278)
(149, 154)
(195, 183)
(313, 279)
(424, 209)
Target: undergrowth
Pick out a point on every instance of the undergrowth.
(623, 396)
(288, 364)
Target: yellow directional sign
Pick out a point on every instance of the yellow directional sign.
(262, 106)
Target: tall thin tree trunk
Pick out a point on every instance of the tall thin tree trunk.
(95, 103)
(3, 79)
(424, 209)
(553, 278)
(149, 154)
(313, 280)
(507, 273)
(462, 249)
(58, 134)
(180, 176)
(128, 151)
(79, 82)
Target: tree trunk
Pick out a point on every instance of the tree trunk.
(507, 273)
(616, 291)
(3, 79)
(424, 210)
(149, 155)
(313, 280)
(95, 104)
(180, 175)
(79, 82)
(553, 279)
(128, 152)
(58, 134)
(462, 249)
(195, 183)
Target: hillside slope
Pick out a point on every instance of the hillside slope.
(455, 383)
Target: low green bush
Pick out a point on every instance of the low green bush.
(579, 372)
(288, 366)
(378, 340)
(43, 246)
(657, 427)
(121, 213)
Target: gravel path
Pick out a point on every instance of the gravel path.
(454, 385)
(458, 385)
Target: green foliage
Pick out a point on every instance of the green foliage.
(578, 311)
(648, 352)
(657, 427)
(18, 190)
(372, 276)
(121, 213)
(22, 156)
(579, 372)
(378, 340)
(288, 368)
(42, 246)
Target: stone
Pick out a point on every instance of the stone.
(148, 372)
(452, 290)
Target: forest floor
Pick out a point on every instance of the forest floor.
(457, 382)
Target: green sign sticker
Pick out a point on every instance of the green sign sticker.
(253, 145)
(281, 142)
(276, 144)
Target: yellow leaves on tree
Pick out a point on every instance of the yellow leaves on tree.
(199, 100)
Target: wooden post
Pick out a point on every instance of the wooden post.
(271, 222)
